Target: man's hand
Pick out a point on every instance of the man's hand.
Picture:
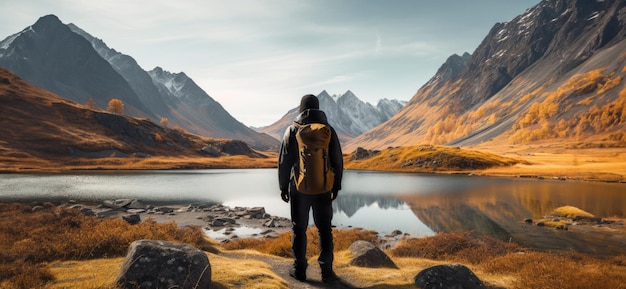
(334, 194)
(285, 195)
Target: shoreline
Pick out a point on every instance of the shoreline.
(218, 222)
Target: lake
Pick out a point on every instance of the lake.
(417, 204)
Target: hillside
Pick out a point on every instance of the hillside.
(554, 73)
(41, 130)
(68, 61)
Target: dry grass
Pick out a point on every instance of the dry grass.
(428, 158)
(31, 164)
(549, 160)
(32, 236)
(88, 274)
(281, 246)
(225, 273)
(60, 248)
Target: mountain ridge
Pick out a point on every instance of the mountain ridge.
(519, 69)
(43, 130)
(72, 63)
(349, 115)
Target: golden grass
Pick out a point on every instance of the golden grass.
(34, 256)
(30, 164)
(281, 246)
(31, 237)
(549, 160)
(225, 273)
(571, 212)
(89, 274)
(428, 158)
(243, 273)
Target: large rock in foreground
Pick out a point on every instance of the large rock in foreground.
(452, 276)
(162, 264)
(367, 255)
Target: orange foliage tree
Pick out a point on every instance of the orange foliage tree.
(164, 121)
(91, 103)
(115, 106)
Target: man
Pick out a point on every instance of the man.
(289, 173)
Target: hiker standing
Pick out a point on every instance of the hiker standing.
(310, 168)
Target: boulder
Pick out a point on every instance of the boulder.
(132, 219)
(367, 255)
(454, 276)
(117, 204)
(162, 264)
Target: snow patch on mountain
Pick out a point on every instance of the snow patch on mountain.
(349, 115)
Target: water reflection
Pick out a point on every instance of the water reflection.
(418, 204)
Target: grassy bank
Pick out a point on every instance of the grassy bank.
(51, 247)
(541, 160)
(547, 160)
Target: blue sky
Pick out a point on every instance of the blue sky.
(258, 57)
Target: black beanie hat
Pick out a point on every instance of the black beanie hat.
(309, 101)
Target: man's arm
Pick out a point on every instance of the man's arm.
(336, 160)
(286, 159)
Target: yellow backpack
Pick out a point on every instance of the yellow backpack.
(313, 174)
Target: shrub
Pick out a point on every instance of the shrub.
(29, 238)
(464, 246)
(281, 246)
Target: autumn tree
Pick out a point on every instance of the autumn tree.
(164, 121)
(116, 106)
(91, 103)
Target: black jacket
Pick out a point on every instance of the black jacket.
(288, 154)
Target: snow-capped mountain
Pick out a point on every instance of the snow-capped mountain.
(349, 115)
(554, 72)
(70, 62)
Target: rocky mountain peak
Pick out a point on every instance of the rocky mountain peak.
(349, 115)
(476, 98)
(47, 21)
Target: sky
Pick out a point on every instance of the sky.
(257, 58)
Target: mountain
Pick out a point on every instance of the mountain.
(349, 115)
(49, 55)
(553, 73)
(41, 129)
(70, 62)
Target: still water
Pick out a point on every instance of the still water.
(418, 204)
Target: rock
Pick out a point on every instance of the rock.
(227, 220)
(87, 212)
(132, 219)
(108, 213)
(270, 223)
(367, 255)
(448, 276)
(162, 264)
(208, 150)
(396, 233)
(185, 209)
(256, 212)
(164, 210)
(361, 153)
(528, 221)
(135, 211)
(117, 204)
(135, 204)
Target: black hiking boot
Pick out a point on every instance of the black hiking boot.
(297, 274)
(329, 276)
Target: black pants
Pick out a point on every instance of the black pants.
(301, 204)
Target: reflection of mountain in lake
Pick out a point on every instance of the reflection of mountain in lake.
(499, 211)
(459, 217)
(350, 205)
